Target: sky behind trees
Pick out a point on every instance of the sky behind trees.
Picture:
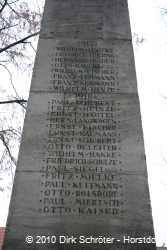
(151, 62)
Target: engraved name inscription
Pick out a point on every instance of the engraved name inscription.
(82, 159)
(85, 68)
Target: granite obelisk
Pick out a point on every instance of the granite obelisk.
(81, 180)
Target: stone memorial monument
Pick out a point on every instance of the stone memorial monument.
(81, 181)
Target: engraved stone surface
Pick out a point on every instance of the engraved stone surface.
(81, 180)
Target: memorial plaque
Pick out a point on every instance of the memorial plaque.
(81, 180)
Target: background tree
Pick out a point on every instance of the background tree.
(137, 40)
(19, 29)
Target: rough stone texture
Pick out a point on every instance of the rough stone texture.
(123, 70)
(82, 167)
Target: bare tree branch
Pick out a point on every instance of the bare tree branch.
(19, 24)
(18, 42)
(31, 46)
(10, 78)
(12, 130)
(3, 6)
(12, 101)
(8, 27)
(7, 148)
(16, 11)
